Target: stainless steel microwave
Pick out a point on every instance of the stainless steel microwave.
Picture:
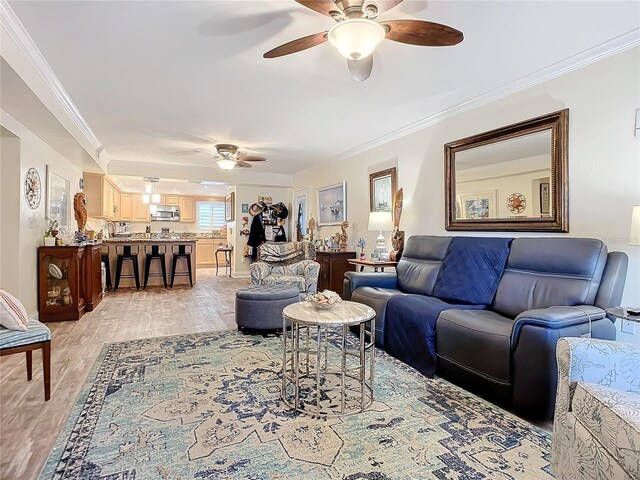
(165, 213)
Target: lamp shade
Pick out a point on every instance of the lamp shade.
(356, 38)
(380, 222)
(634, 236)
(226, 164)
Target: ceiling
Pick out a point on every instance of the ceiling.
(157, 79)
(170, 186)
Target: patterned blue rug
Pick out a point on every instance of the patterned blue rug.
(205, 406)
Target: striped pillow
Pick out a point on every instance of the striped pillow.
(12, 313)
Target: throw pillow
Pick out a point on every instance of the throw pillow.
(471, 269)
(12, 313)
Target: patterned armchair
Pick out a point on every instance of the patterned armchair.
(596, 431)
(291, 263)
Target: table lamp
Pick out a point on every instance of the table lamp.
(634, 235)
(380, 222)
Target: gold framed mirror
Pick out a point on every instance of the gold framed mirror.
(513, 178)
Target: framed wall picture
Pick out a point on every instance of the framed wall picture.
(382, 188)
(480, 205)
(58, 191)
(229, 202)
(544, 198)
(300, 213)
(245, 208)
(332, 204)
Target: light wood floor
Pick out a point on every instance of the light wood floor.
(29, 426)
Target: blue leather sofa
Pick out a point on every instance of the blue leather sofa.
(488, 312)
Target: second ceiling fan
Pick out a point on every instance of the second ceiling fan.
(356, 34)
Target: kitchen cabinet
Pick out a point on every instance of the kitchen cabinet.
(205, 253)
(69, 281)
(103, 198)
(140, 209)
(187, 210)
(126, 207)
(333, 266)
(171, 200)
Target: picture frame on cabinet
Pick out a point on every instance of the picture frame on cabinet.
(229, 202)
(332, 204)
(58, 198)
(382, 187)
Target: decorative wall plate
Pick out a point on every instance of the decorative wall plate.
(516, 203)
(32, 188)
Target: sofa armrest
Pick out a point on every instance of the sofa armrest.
(311, 272)
(555, 317)
(355, 280)
(259, 270)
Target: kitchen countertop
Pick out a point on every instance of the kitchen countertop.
(149, 240)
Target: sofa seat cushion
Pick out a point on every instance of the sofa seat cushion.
(37, 332)
(478, 341)
(410, 329)
(376, 298)
(613, 419)
(471, 270)
(284, 279)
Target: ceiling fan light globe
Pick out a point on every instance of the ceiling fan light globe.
(226, 164)
(356, 38)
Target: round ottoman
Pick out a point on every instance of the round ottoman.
(260, 307)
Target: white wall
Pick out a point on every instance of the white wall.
(604, 159)
(31, 224)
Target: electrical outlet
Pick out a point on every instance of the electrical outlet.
(628, 326)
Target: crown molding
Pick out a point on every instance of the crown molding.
(12, 24)
(612, 47)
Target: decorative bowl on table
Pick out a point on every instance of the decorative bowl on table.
(324, 300)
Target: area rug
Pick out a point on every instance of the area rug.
(205, 406)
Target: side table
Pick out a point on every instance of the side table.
(372, 264)
(622, 313)
(319, 379)
(227, 259)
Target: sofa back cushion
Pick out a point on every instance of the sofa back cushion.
(544, 272)
(286, 253)
(420, 263)
(472, 269)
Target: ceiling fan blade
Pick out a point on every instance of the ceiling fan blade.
(297, 45)
(325, 7)
(360, 69)
(382, 5)
(240, 163)
(192, 151)
(419, 32)
(251, 158)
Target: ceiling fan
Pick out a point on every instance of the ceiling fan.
(229, 157)
(356, 34)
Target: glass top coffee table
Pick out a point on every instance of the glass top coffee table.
(326, 370)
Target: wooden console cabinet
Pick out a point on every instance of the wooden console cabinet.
(333, 265)
(69, 281)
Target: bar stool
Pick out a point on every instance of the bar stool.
(125, 252)
(107, 264)
(181, 252)
(155, 252)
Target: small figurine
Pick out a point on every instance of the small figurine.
(343, 236)
(66, 296)
(361, 244)
(397, 239)
(312, 227)
(80, 210)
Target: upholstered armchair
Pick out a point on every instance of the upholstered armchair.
(596, 431)
(287, 263)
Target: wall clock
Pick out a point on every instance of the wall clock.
(32, 188)
(516, 203)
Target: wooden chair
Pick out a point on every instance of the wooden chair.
(37, 337)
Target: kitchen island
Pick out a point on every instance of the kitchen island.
(169, 243)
